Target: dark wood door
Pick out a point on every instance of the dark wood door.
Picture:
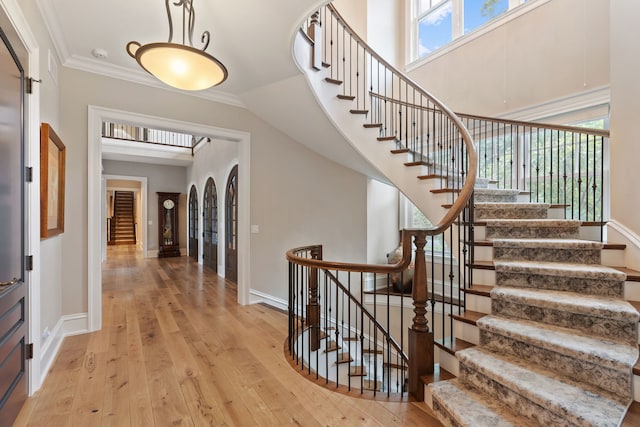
(193, 223)
(231, 239)
(210, 226)
(13, 298)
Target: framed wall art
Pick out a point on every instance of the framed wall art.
(52, 176)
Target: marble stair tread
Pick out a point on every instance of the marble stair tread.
(564, 341)
(577, 403)
(563, 269)
(600, 306)
(468, 407)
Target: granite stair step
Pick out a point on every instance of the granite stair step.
(549, 250)
(602, 363)
(457, 405)
(532, 228)
(547, 398)
(608, 318)
(590, 279)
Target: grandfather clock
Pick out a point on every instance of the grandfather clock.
(168, 236)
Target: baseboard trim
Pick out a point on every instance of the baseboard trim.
(256, 297)
(73, 324)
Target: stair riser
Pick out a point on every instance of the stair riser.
(524, 232)
(567, 255)
(448, 362)
(584, 232)
(478, 303)
(618, 382)
(612, 288)
(609, 257)
(520, 213)
(466, 332)
(607, 328)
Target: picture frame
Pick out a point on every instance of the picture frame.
(52, 182)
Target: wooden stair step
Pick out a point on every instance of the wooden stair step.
(632, 275)
(418, 163)
(344, 357)
(326, 64)
(433, 176)
(354, 111)
(400, 151)
(481, 290)
(371, 351)
(371, 385)
(387, 138)
(332, 81)
(346, 97)
(331, 346)
(469, 316)
(372, 125)
(350, 339)
(482, 265)
(439, 374)
(452, 345)
(358, 371)
(445, 190)
(632, 419)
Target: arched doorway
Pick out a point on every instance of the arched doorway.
(193, 223)
(210, 225)
(231, 239)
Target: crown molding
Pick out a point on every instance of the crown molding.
(115, 71)
(140, 77)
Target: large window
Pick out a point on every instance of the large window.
(436, 23)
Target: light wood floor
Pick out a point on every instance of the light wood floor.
(176, 349)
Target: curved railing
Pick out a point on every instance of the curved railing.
(330, 301)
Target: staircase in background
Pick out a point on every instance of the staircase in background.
(123, 230)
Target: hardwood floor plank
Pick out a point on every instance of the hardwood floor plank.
(177, 350)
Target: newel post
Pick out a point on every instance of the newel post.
(315, 33)
(420, 338)
(313, 308)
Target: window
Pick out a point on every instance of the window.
(436, 23)
(412, 217)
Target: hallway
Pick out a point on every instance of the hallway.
(177, 349)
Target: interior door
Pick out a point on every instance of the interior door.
(13, 299)
(231, 239)
(193, 223)
(210, 225)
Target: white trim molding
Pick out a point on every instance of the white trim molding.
(260, 297)
(67, 326)
(96, 115)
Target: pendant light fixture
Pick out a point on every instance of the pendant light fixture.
(180, 65)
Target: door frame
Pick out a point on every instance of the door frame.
(96, 115)
(193, 190)
(35, 369)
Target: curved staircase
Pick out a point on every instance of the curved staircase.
(560, 342)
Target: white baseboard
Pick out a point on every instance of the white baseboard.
(259, 297)
(73, 324)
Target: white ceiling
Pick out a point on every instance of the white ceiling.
(252, 38)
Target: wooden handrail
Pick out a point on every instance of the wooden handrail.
(565, 128)
(354, 267)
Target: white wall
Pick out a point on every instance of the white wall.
(625, 106)
(164, 178)
(556, 50)
(297, 197)
(382, 221)
(215, 160)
